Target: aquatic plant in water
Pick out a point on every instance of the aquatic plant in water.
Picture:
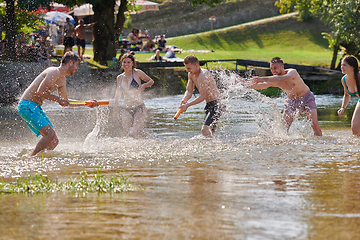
(85, 183)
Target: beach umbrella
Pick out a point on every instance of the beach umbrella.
(145, 5)
(57, 17)
(83, 10)
(53, 7)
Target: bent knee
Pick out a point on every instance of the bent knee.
(49, 132)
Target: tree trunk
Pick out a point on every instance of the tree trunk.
(334, 57)
(120, 19)
(104, 31)
(9, 49)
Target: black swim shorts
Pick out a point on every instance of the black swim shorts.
(213, 111)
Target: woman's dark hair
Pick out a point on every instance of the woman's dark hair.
(128, 55)
(352, 61)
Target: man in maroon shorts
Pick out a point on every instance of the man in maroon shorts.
(300, 98)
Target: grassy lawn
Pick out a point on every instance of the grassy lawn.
(295, 41)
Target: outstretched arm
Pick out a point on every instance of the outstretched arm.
(261, 85)
(290, 74)
(90, 24)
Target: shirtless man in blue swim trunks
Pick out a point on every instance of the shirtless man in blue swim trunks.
(205, 83)
(300, 98)
(29, 108)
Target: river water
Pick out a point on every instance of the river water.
(252, 181)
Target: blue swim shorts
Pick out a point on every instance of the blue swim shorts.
(33, 115)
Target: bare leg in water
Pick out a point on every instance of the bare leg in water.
(49, 140)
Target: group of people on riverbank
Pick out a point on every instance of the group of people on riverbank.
(135, 39)
(133, 112)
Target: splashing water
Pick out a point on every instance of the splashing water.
(251, 104)
(247, 112)
(91, 142)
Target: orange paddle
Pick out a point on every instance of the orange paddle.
(90, 103)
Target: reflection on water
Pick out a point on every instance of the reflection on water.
(252, 181)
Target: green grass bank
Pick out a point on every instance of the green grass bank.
(288, 37)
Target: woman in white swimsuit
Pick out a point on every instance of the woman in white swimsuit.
(129, 84)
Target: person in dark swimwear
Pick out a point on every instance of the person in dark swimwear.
(129, 85)
(162, 44)
(205, 83)
(300, 98)
(350, 82)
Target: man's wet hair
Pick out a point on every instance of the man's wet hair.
(70, 56)
(277, 60)
(191, 59)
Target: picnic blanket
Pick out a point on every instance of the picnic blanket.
(198, 51)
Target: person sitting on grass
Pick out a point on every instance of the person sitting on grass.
(162, 43)
(150, 45)
(156, 57)
(134, 39)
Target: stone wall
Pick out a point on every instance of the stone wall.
(179, 18)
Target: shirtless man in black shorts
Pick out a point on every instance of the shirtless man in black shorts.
(205, 83)
(68, 36)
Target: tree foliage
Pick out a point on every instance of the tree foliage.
(342, 16)
(106, 31)
(16, 16)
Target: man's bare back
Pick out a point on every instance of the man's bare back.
(55, 82)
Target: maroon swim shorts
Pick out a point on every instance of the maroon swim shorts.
(304, 103)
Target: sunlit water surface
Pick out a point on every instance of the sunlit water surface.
(252, 181)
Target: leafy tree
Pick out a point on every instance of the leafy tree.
(106, 31)
(14, 21)
(341, 15)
